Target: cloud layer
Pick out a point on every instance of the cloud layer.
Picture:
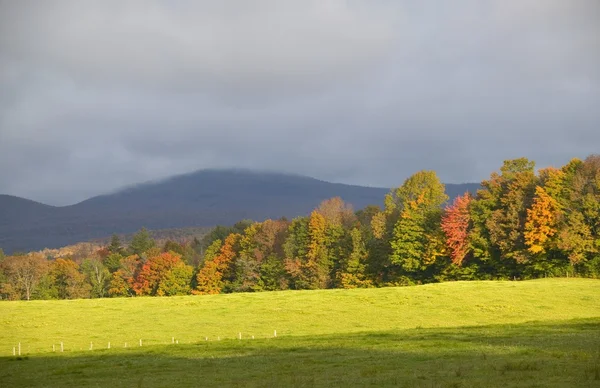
(97, 95)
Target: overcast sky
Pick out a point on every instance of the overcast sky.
(95, 95)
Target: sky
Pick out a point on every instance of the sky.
(96, 95)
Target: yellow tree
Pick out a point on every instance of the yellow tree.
(318, 265)
(210, 277)
(541, 221)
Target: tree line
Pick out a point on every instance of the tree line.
(521, 224)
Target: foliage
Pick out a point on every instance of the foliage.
(519, 225)
(115, 245)
(141, 243)
(541, 222)
(68, 281)
(155, 271)
(455, 224)
(415, 241)
(211, 278)
(97, 276)
(23, 275)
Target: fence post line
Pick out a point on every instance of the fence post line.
(62, 349)
(19, 348)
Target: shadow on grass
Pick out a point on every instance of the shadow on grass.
(561, 354)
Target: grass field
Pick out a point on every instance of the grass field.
(541, 333)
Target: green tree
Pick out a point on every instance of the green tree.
(115, 245)
(141, 243)
(97, 275)
(295, 251)
(113, 262)
(353, 272)
(177, 281)
(173, 246)
(417, 239)
(499, 215)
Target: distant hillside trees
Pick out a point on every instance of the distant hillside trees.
(521, 224)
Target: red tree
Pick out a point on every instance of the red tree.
(455, 224)
(154, 271)
(210, 277)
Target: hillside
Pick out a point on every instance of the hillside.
(203, 198)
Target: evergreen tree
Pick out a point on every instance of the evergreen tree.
(141, 242)
(115, 245)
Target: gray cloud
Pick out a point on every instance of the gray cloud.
(95, 95)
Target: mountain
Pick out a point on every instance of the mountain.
(203, 198)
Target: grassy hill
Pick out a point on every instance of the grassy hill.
(535, 333)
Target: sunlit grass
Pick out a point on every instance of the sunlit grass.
(534, 333)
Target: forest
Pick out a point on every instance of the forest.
(523, 223)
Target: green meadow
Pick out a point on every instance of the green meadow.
(541, 333)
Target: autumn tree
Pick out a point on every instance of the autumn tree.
(154, 271)
(269, 253)
(416, 241)
(336, 212)
(317, 265)
(542, 220)
(210, 279)
(68, 281)
(455, 224)
(244, 270)
(499, 214)
(122, 280)
(23, 275)
(579, 231)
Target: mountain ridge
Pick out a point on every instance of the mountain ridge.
(201, 198)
